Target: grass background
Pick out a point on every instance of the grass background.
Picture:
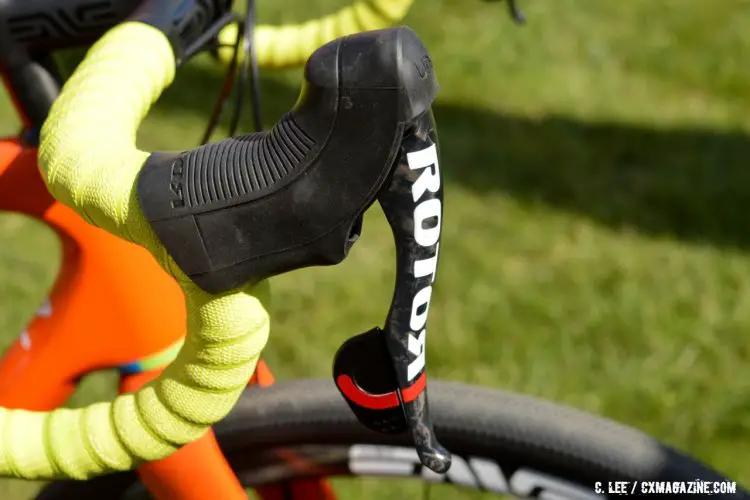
(596, 241)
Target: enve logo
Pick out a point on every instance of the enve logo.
(474, 472)
(62, 22)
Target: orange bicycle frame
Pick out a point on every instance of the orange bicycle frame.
(103, 313)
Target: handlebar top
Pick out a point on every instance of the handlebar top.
(42, 25)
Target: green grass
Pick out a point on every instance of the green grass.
(596, 243)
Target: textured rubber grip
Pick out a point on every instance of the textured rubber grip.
(241, 166)
(292, 44)
(89, 161)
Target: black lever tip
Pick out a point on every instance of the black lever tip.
(438, 459)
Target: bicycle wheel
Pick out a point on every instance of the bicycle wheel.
(503, 444)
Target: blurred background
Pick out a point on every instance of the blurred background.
(596, 236)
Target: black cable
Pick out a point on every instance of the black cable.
(248, 62)
(255, 74)
(226, 90)
(209, 36)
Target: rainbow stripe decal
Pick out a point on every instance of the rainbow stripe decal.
(153, 362)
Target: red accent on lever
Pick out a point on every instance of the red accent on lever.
(379, 401)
